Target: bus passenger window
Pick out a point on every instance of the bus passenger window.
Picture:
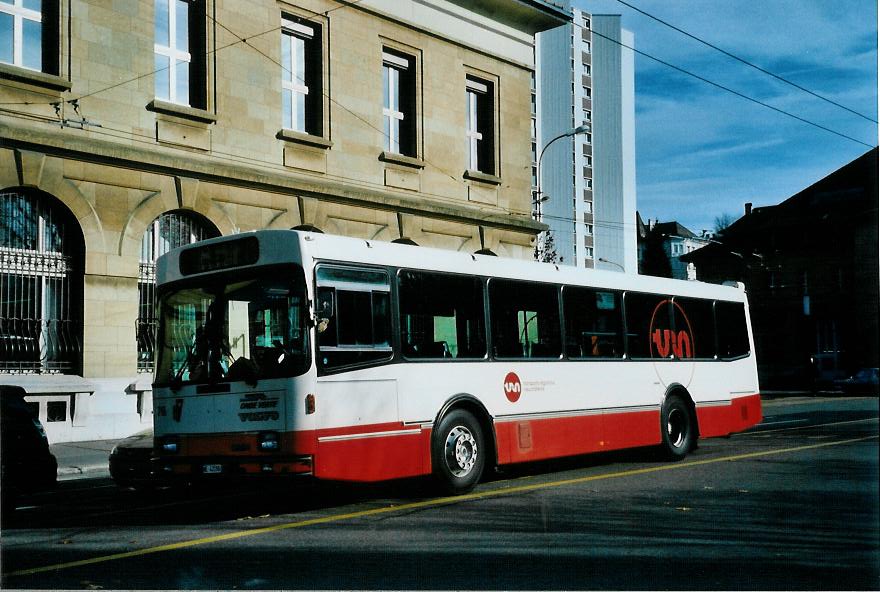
(592, 323)
(441, 316)
(354, 320)
(733, 336)
(525, 319)
(694, 325)
(649, 332)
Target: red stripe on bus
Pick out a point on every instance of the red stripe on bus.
(374, 458)
(539, 439)
(407, 455)
(741, 414)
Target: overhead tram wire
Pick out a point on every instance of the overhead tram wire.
(727, 89)
(746, 62)
(647, 55)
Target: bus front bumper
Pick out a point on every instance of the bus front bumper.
(176, 467)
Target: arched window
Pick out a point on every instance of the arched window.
(41, 278)
(168, 231)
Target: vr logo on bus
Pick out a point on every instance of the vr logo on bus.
(512, 387)
(665, 342)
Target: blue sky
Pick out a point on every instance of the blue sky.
(702, 152)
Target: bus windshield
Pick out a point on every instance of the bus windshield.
(234, 329)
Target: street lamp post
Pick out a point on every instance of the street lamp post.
(604, 260)
(540, 198)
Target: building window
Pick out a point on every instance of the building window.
(399, 102)
(168, 231)
(480, 131)
(180, 56)
(29, 34)
(587, 47)
(588, 92)
(588, 205)
(586, 22)
(588, 70)
(301, 88)
(588, 116)
(588, 160)
(588, 183)
(41, 277)
(589, 229)
(588, 252)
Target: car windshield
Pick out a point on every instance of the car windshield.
(237, 329)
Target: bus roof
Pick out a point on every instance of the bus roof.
(279, 246)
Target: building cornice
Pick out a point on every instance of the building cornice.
(204, 168)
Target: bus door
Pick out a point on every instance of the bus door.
(356, 405)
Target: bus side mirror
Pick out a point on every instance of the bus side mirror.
(324, 309)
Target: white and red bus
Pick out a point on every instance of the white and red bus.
(287, 352)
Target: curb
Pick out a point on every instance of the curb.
(83, 472)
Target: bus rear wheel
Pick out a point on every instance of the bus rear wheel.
(678, 431)
(458, 453)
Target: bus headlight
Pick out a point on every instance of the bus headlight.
(269, 441)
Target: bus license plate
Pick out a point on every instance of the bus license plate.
(212, 469)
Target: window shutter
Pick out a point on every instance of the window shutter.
(408, 107)
(314, 80)
(51, 37)
(486, 126)
(198, 46)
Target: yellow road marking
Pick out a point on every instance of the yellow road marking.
(422, 504)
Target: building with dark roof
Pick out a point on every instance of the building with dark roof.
(661, 246)
(810, 265)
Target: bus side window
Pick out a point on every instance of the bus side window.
(525, 319)
(358, 328)
(592, 323)
(733, 337)
(441, 316)
(648, 326)
(694, 325)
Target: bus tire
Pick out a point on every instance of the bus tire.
(677, 429)
(458, 452)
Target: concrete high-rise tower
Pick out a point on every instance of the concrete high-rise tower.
(585, 77)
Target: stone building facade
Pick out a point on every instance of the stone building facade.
(129, 128)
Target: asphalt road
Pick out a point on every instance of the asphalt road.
(792, 504)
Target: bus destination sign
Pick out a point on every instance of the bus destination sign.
(234, 253)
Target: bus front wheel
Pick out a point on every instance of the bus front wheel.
(458, 453)
(677, 428)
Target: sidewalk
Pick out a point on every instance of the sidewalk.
(83, 460)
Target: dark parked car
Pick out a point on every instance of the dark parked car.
(27, 464)
(131, 461)
(865, 381)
